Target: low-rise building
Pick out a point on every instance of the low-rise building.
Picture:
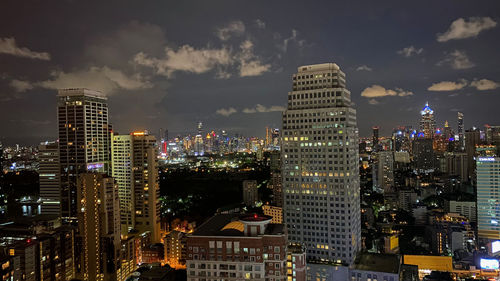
(237, 247)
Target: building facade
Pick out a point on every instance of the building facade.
(48, 173)
(98, 228)
(488, 200)
(237, 248)
(84, 141)
(135, 168)
(320, 167)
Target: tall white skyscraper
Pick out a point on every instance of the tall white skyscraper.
(320, 165)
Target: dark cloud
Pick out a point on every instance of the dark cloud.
(170, 64)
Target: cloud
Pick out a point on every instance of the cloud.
(373, 101)
(457, 60)
(226, 111)
(377, 91)
(448, 86)
(461, 28)
(292, 38)
(9, 46)
(484, 84)
(250, 64)
(410, 51)
(21, 86)
(187, 59)
(260, 23)
(364, 67)
(102, 79)
(233, 28)
(260, 108)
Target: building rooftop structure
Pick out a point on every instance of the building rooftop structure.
(234, 225)
(377, 262)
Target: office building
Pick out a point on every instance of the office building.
(276, 181)
(98, 227)
(488, 200)
(427, 122)
(238, 248)
(464, 208)
(375, 137)
(135, 169)
(370, 266)
(48, 173)
(423, 155)
(472, 140)
(320, 165)
(84, 141)
(250, 192)
(461, 135)
(385, 170)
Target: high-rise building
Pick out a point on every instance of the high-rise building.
(488, 201)
(48, 173)
(320, 165)
(135, 169)
(84, 140)
(427, 123)
(472, 140)
(385, 177)
(250, 192)
(461, 136)
(423, 155)
(375, 137)
(98, 227)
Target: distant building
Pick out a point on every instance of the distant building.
(460, 127)
(455, 164)
(275, 212)
(238, 247)
(488, 211)
(423, 155)
(385, 177)
(48, 173)
(250, 192)
(427, 122)
(464, 208)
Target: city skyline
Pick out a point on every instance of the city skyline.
(232, 72)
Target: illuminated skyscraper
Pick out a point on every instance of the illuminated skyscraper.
(461, 135)
(427, 123)
(488, 200)
(98, 227)
(320, 165)
(135, 169)
(375, 137)
(48, 173)
(84, 140)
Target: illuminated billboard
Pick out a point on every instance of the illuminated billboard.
(94, 166)
(495, 246)
(488, 264)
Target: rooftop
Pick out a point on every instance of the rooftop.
(377, 262)
(231, 225)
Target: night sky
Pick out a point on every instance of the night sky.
(170, 64)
